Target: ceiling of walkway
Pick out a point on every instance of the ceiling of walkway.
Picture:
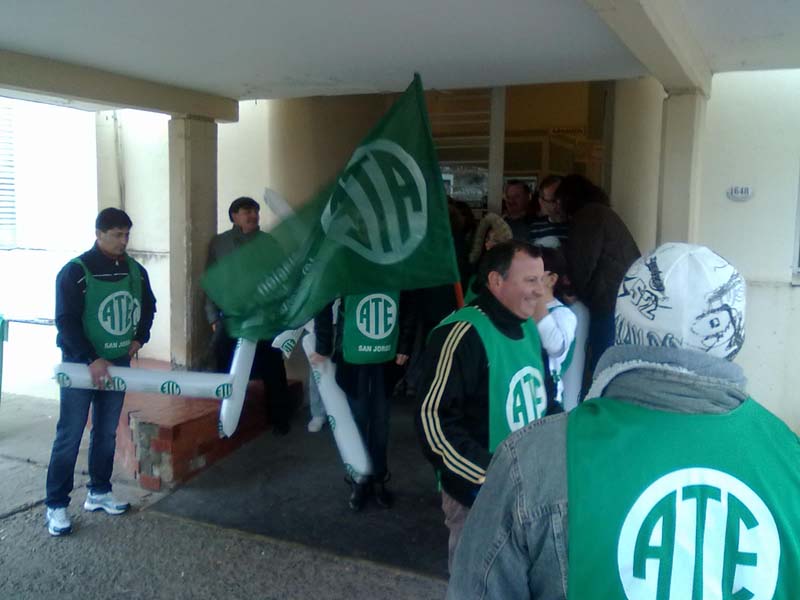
(278, 48)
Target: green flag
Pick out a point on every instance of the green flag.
(382, 225)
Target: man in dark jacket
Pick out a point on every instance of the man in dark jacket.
(672, 481)
(268, 362)
(104, 311)
(599, 249)
(483, 377)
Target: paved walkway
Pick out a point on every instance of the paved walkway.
(145, 554)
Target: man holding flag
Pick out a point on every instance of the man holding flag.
(268, 363)
(382, 224)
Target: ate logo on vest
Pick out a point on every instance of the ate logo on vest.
(379, 208)
(119, 312)
(698, 534)
(526, 399)
(376, 316)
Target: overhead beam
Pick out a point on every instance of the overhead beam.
(33, 74)
(659, 36)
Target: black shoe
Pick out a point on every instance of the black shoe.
(383, 497)
(358, 495)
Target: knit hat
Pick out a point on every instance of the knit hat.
(494, 223)
(682, 296)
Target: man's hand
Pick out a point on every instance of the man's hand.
(135, 347)
(540, 312)
(99, 373)
(401, 359)
(214, 326)
(316, 358)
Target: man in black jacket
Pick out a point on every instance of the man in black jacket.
(104, 311)
(467, 406)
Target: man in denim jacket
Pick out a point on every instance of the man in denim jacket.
(680, 485)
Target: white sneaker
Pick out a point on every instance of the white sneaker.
(58, 522)
(316, 424)
(105, 502)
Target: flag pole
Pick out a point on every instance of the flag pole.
(459, 294)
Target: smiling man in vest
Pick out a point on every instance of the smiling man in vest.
(483, 377)
(104, 311)
(679, 485)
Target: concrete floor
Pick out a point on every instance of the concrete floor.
(145, 554)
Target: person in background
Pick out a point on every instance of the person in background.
(104, 312)
(556, 323)
(599, 249)
(551, 228)
(518, 208)
(268, 361)
(492, 230)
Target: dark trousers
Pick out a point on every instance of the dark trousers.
(601, 337)
(106, 408)
(370, 407)
(267, 366)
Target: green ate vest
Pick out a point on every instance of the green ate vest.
(517, 393)
(667, 506)
(111, 311)
(370, 328)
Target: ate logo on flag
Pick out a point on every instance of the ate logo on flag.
(379, 208)
(698, 533)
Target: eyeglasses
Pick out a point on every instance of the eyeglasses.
(546, 200)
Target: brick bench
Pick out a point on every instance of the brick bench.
(164, 440)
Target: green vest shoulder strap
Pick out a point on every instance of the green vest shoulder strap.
(517, 393)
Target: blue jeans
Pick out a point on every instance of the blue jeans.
(316, 407)
(106, 410)
(370, 407)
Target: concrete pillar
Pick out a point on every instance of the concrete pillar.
(683, 121)
(497, 144)
(110, 188)
(193, 221)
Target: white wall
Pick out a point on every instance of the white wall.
(244, 161)
(636, 154)
(143, 149)
(752, 137)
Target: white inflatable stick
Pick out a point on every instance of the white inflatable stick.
(172, 383)
(231, 408)
(287, 341)
(228, 387)
(345, 431)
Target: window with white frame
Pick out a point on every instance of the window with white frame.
(8, 209)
